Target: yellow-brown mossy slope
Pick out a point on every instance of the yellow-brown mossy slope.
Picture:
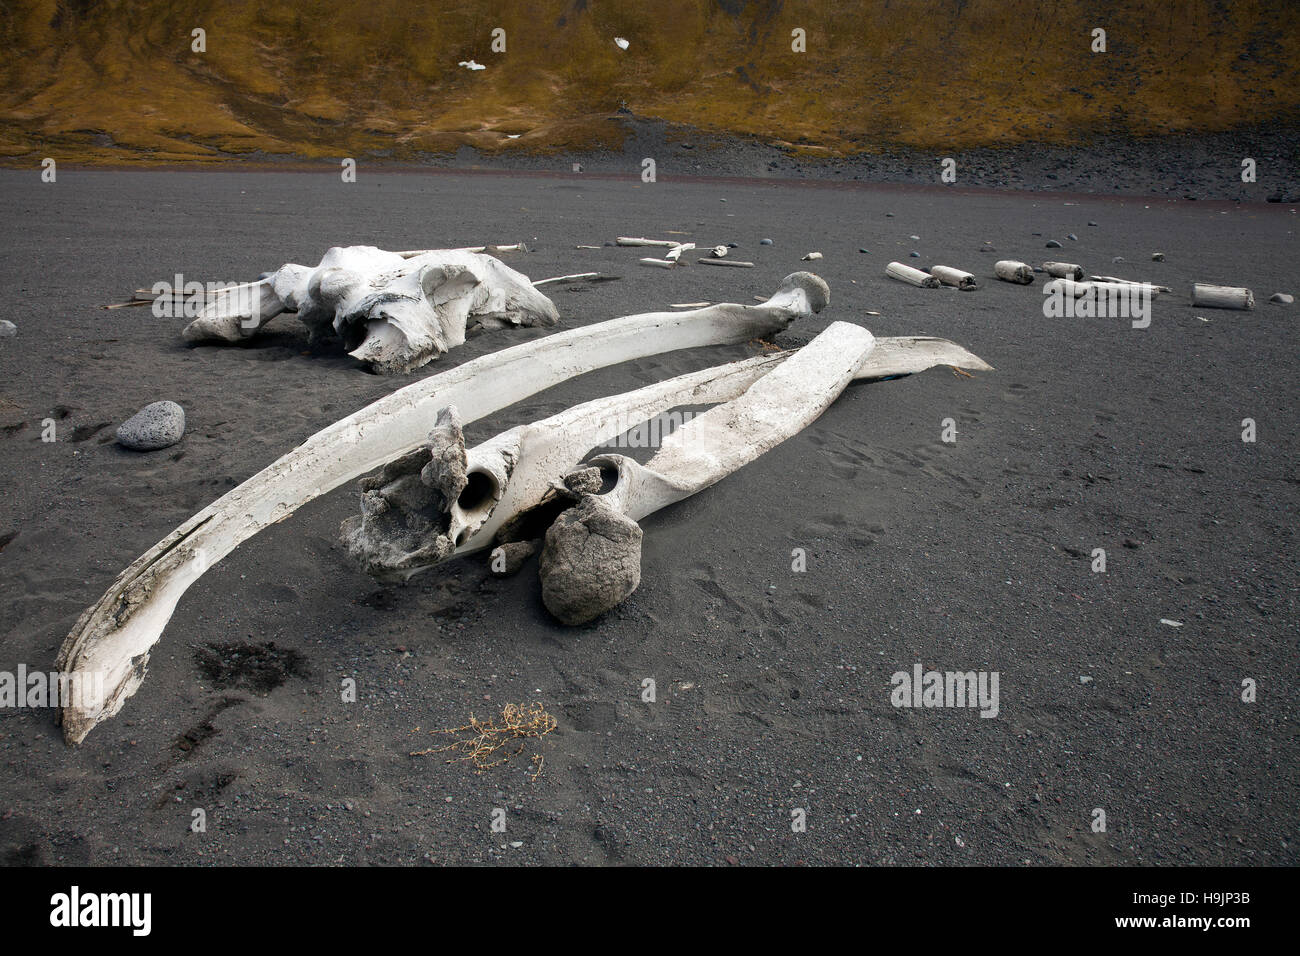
(118, 81)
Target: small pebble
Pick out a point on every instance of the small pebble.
(765, 242)
(1118, 259)
(1091, 223)
(1073, 237)
(158, 425)
(1157, 257)
(7, 329)
(915, 238)
(1053, 244)
(867, 251)
(1281, 298)
(915, 255)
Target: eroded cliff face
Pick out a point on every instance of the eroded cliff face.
(121, 81)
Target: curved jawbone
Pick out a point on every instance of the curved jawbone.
(115, 636)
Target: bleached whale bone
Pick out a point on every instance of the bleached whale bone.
(442, 500)
(114, 636)
(394, 310)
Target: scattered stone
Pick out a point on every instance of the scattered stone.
(591, 561)
(7, 329)
(889, 215)
(506, 559)
(915, 255)
(812, 256)
(1053, 244)
(158, 425)
(1281, 298)
(915, 238)
(733, 245)
(1118, 259)
(1072, 237)
(1091, 223)
(1085, 679)
(1157, 257)
(765, 242)
(584, 481)
(867, 251)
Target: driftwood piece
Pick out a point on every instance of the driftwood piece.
(916, 277)
(727, 262)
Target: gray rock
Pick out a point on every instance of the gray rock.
(1157, 257)
(1072, 237)
(1053, 244)
(914, 255)
(506, 559)
(765, 242)
(584, 481)
(7, 329)
(591, 561)
(157, 425)
(1281, 298)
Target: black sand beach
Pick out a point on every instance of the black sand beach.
(773, 686)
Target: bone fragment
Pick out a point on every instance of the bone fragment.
(405, 527)
(1068, 287)
(954, 277)
(1010, 270)
(1151, 287)
(578, 277)
(911, 276)
(392, 311)
(1063, 270)
(1222, 296)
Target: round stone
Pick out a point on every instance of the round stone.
(155, 426)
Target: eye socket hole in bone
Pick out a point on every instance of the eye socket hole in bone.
(480, 488)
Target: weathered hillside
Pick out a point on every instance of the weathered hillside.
(118, 81)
